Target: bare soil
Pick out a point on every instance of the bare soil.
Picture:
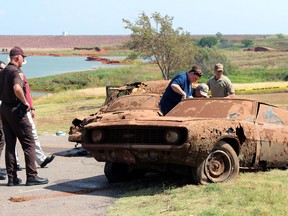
(259, 85)
(278, 99)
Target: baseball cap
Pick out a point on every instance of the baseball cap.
(203, 89)
(17, 51)
(196, 70)
(219, 67)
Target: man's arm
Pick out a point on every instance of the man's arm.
(29, 97)
(20, 95)
(230, 89)
(178, 90)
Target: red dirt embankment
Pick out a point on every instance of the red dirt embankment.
(60, 42)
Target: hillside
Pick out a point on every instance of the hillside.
(71, 41)
(60, 42)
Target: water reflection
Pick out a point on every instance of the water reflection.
(39, 93)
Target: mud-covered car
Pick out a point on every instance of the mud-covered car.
(141, 105)
(211, 139)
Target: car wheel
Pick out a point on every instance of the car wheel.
(221, 165)
(116, 172)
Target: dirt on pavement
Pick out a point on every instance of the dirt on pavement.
(77, 185)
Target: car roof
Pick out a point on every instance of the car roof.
(240, 109)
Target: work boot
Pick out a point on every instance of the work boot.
(36, 181)
(2, 174)
(48, 159)
(14, 182)
(19, 168)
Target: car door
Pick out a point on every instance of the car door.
(273, 131)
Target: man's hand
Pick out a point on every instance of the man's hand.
(183, 96)
(27, 105)
(32, 113)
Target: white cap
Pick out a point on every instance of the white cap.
(203, 89)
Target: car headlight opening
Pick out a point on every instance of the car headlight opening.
(97, 135)
(172, 136)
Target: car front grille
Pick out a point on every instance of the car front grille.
(137, 135)
(134, 135)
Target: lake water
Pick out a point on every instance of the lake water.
(39, 66)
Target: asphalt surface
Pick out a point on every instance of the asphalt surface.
(77, 185)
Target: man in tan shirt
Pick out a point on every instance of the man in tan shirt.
(219, 84)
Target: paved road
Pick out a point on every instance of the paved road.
(77, 186)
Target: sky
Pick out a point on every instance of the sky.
(95, 17)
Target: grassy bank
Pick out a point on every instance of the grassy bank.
(55, 111)
(143, 72)
(262, 193)
(106, 51)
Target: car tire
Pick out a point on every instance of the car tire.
(116, 172)
(221, 165)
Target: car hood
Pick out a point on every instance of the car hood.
(144, 119)
(109, 117)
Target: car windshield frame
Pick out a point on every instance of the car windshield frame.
(240, 109)
(135, 102)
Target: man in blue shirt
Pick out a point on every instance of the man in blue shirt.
(179, 88)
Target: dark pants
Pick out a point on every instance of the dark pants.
(2, 141)
(15, 127)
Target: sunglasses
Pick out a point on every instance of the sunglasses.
(22, 56)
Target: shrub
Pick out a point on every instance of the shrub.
(247, 42)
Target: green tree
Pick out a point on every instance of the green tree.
(224, 43)
(247, 42)
(208, 57)
(219, 36)
(154, 38)
(208, 42)
(280, 36)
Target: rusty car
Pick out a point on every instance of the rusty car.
(113, 93)
(209, 139)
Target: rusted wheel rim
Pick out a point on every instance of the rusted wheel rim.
(218, 166)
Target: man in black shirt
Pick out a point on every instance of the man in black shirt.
(16, 124)
(2, 141)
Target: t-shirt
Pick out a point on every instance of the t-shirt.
(221, 87)
(170, 98)
(10, 76)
